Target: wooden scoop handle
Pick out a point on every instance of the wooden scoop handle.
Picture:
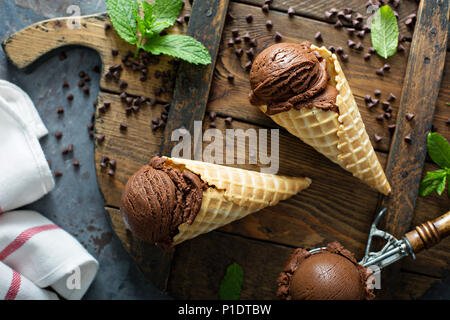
(429, 233)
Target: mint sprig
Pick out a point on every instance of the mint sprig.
(384, 32)
(140, 23)
(439, 151)
(231, 286)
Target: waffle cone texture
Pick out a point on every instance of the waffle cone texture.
(233, 194)
(342, 136)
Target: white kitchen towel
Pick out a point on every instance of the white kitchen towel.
(25, 175)
(14, 286)
(45, 254)
(22, 105)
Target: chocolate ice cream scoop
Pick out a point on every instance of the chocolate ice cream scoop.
(158, 198)
(331, 274)
(290, 75)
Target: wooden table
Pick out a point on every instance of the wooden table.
(335, 207)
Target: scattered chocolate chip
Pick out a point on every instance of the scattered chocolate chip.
(377, 93)
(387, 67)
(86, 90)
(278, 37)
(385, 105)
(115, 52)
(248, 65)
(123, 96)
(123, 84)
(388, 115)
(65, 84)
(269, 24)
(249, 18)
(113, 164)
(351, 31)
(344, 57)
(250, 53)
(338, 24)
(228, 121)
(58, 135)
(212, 115)
(339, 50)
(65, 151)
(235, 32)
(230, 78)
(409, 116)
(291, 12)
(90, 126)
(332, 49)
(246, 37)
(377, 137)
(111, 173)
(391, 128)
(380, 72)
(57, 173)
(318, 36)
(179, 20)
(367, 98)
(82, 74)
(238, 40)
(100, 137)
(102, 109)
(60, 110)
(361, 34)
(372, 50)
(254, 43)
(70, 97)
(392, 97)
(212, 124)
(367, 56)
(239, 52)
(328, 15)
(359, 46)
(380, 117)
(401, 48)
(230, 42)
(408, 138)
(348, 10)
(96, 69)
(76, 163)
(70, 148)
(186, 17)
(351, 43)
(265, 8)
(447, 122)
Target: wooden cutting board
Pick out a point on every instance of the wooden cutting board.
(336, 207)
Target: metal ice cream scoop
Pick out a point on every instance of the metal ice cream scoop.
(422, 237)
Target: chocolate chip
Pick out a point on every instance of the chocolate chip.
(249, 18)
(269, 24)
(385, 105)
(87, 78)
(186, 17)
(391, 128)
(377, 92)
(90, 126)
(70, 97)
(367, 56)
(70, 148)
(65, 84)
(76, 163)
(380, 117)
(235, 32)
(107, 26)
(359, 46)
(377, 137)
(123, 127)
(318, 36)
(392, 97)
(339, 50)
(253, 43)
(96, 69)
(57, 173)
(344, 57)
(388, 109)
(246, 37)
(372, 50)
(291, 12)
(248, 65)
(58, 135)
(230, 78)
(332, 49)
(82, 74)
(123, 84)
(60, 110)
(179, 20)
(401, 48)
(367, 98)
(380, 72)
(348, 10)
(113, 164)
(62, 56)
(65, 151)
(111, 172)
(237, 40)
(100, 137)
(328, 15)
(341, 15)
(239, 52)
(447, 122)
(408, 138)
(228, 121)
(387, 67)
(338, 24)
(86, 90)
(212, 115)
(212, 124)
(115, 52)
(250, 53)
(361, 34)
(356, 23)
(265, 8)
(409, 116)
(102, 109)
(278, 37)
(388, 115)
(351, 43)
(351, 31)
(230, 42)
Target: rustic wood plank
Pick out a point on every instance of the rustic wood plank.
(405, 162)
(315, 9)
(194, 82)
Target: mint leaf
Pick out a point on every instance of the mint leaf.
(439, 149)
(231, 286)
(121, 13)
(179, 46)
(384, 32)
(434, 181)
(165, 13)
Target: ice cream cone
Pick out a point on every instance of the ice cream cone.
(341, 136)
(233, 194)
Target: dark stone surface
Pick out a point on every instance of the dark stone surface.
(76, 203)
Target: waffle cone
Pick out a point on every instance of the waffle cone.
(342, 136)
(233, 194)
